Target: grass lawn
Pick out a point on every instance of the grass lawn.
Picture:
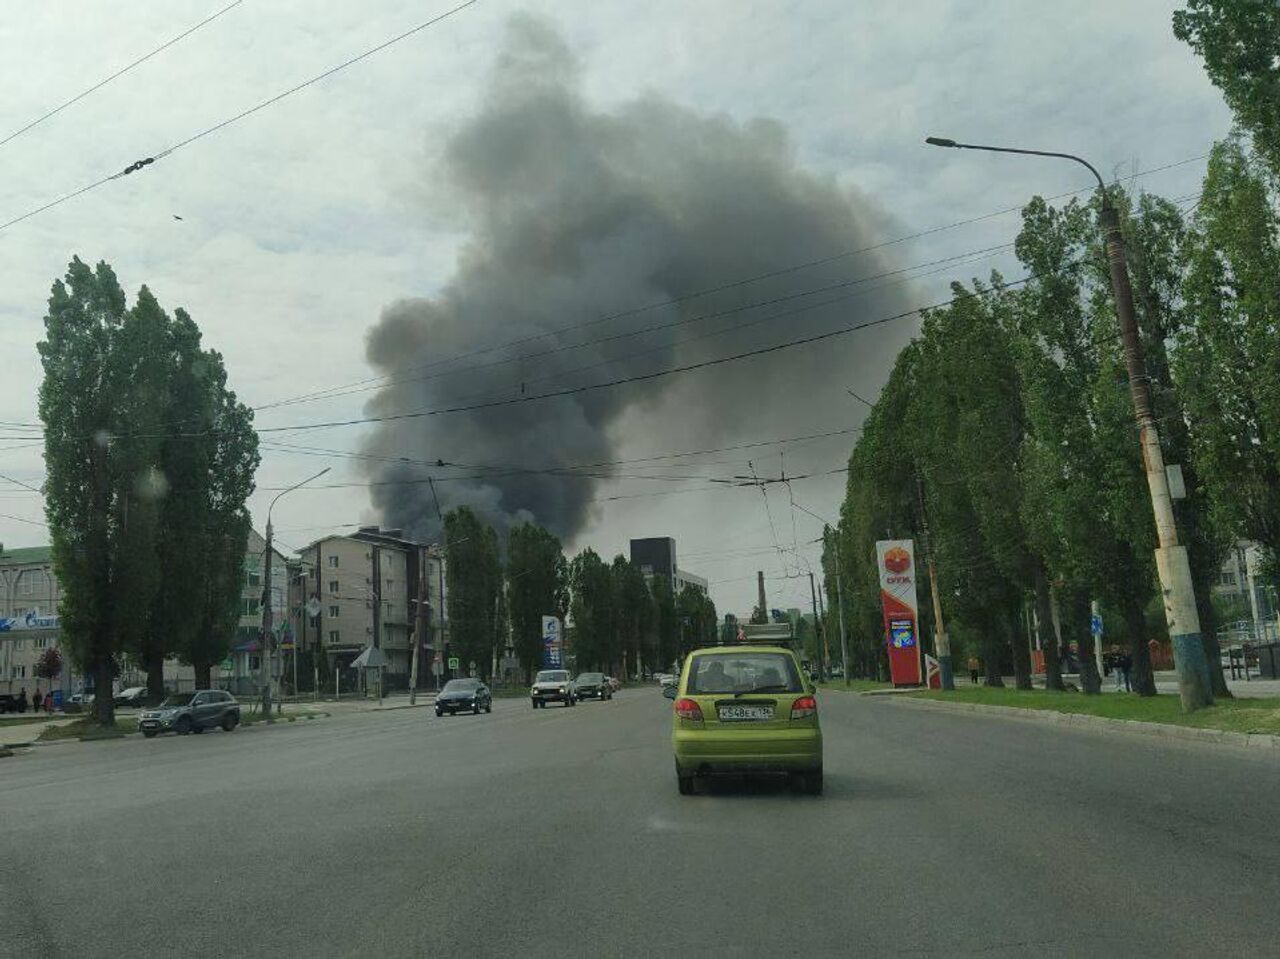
(83, 729)
(855, 685)
(1233, 715)
(21, 720)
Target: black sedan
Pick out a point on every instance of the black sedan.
(464, 694)
(594, 686)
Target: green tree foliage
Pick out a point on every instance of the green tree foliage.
(666, 623)
(537, 586)
(633, 613)
(1226, 362)
(591, 607)
(208, 458)
(1239, 41)
(101, 391)
(473, 572)
(696, 614)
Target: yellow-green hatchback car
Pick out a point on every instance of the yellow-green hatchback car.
(745, 709)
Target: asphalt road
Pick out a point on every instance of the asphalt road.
(560, 833)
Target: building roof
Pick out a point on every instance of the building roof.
(26, 555)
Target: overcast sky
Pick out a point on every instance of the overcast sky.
(301, 223)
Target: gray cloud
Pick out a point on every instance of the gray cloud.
(577, 213)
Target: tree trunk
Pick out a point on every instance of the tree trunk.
(1209, 640)
(1021, 654)
(1078, 617)
(1142, 678)
(993, 652)
(1044, 628)
(155, 673)
(204, 675)
(104, 709)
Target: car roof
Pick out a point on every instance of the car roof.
(731, 650)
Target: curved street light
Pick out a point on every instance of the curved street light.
(265, 647)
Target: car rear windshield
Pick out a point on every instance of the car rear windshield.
(591, 678)
(552, 676)
(743, 673)
(460, 685)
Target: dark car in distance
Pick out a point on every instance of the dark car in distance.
(8, 703)
(593, 686)
(464, 694)
(194, 712)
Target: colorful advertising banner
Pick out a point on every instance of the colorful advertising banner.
(552, 657)
(895, 559)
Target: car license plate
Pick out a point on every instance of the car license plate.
(747, 714)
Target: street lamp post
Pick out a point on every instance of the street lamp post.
(267, 647)
(1177, 588)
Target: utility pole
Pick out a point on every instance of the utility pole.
(826, 636)
(941, 641)
(844, 644)
(267, 645)
(418, 630)
(444, 555)
(817, 625)
(1194, 687)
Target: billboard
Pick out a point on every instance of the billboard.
(895, 559)
(552, 643)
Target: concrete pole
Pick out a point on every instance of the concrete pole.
(417, 631)
(817, 627)
(941, 641)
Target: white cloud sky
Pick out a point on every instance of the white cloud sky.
(301, 222)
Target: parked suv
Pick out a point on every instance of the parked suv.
(195, 712)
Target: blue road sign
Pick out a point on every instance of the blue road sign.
(1095, 625)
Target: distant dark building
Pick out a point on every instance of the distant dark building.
(656, 556)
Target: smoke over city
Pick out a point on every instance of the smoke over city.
(575, 214)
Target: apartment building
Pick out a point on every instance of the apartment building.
(366, 586)
(28, 618)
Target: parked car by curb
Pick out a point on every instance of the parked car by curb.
(195, 712)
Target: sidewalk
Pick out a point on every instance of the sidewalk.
(1166, 682)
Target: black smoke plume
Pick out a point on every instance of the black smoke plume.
(576, 213)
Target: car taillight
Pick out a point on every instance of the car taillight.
(688, 709)
(804, 707)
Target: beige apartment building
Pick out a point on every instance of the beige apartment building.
(29, 594)
(366, 585)
(28, 618)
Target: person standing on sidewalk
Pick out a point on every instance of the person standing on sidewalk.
(1125, 663)
(36, 700)
(973, 670)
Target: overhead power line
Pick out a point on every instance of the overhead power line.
(394, 379)
(119, 73)
(147, 161)
(656, 374)
(684, 297)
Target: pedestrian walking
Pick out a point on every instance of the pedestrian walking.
(22, 700)
(973, 670)
(36, 700)
(1126, 664)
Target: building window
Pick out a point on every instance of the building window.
(18, 672)
(334, 636)
(20, 611)
(28, 582)
(1228, 578)
(249, 607)
(333, 586)
(333, 562)
(333, 611)
(253, 579)
(255, 664)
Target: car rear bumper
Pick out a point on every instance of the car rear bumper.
(737, 750)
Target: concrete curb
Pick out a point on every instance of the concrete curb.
(243, 728)
(1105, 724)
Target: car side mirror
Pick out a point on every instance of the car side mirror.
(669, 692)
